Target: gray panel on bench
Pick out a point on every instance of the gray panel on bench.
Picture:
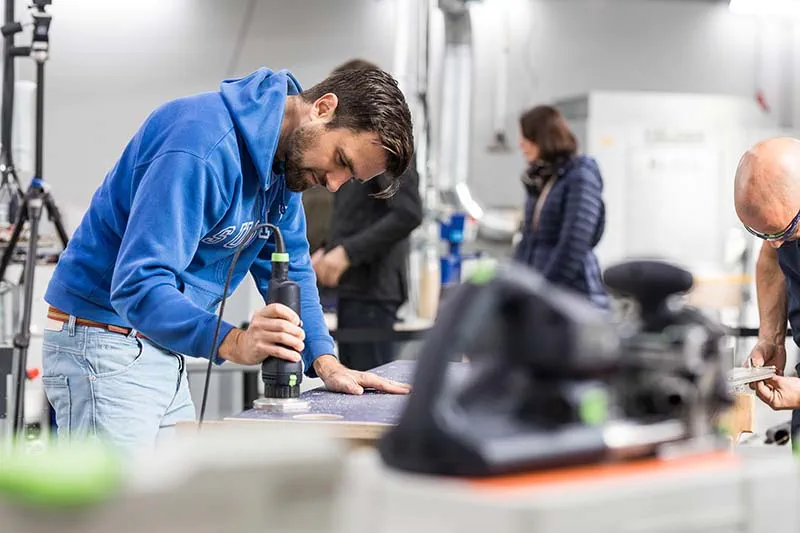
(372, 407)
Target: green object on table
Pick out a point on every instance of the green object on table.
(594, 407)
(61, 476)
(484, 272)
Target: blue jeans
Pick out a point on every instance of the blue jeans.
(119, 388)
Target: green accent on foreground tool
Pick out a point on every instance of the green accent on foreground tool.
(484, 272)
(61, 476)
(594, 407)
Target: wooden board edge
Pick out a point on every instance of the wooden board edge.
(346, 430)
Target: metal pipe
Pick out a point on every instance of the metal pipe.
(423, 134)
(453, 154)
(402, 40)
(423, 258)
(499, 134)
(456, 110)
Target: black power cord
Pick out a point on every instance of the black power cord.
(279, 248)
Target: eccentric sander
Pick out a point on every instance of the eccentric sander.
(282, 378)
(553, 382)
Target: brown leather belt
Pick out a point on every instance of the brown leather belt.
(61, 316)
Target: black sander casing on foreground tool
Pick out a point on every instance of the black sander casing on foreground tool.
(282, 378)
(534, 395)
(553, 382)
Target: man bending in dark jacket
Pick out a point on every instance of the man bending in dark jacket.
(365, 257)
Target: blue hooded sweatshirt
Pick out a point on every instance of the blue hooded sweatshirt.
(154, 248)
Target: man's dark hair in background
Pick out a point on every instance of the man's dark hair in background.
(366, 251)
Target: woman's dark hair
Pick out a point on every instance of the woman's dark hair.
(546, 127)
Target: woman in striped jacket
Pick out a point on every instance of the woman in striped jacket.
(564, 211)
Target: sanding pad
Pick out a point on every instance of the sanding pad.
(282, 405)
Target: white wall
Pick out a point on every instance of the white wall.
(668, 161)
(111, 65)
(570, 47)
(113, 62)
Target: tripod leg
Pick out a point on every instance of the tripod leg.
(16, 202)
(55, 217)
(22, 340)
(11, 247)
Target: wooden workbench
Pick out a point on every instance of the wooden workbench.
(358, 418)
(364, 419)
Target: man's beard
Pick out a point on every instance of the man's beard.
(300, 142)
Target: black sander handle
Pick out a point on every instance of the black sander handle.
(649, 282)
(282, 378)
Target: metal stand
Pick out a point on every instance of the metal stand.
(37, 195)
(8, 172)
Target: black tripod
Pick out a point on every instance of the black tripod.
(8, 172)
(37, 196)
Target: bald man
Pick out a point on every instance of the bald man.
(767, 199)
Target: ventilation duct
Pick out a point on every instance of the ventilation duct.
(455, 114)
(452, 168)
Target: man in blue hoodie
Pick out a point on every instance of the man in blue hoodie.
(136, 288)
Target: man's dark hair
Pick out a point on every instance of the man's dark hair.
(371, 101)
(546, 127)
(354, 64)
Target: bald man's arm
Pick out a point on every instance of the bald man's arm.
(772, 304)
(772, 299)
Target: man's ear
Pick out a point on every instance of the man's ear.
(325, 106)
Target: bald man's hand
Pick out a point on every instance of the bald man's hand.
(766, 353)
(779, 392)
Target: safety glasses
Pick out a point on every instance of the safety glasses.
(780, 236)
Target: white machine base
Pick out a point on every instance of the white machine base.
(755, 493)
